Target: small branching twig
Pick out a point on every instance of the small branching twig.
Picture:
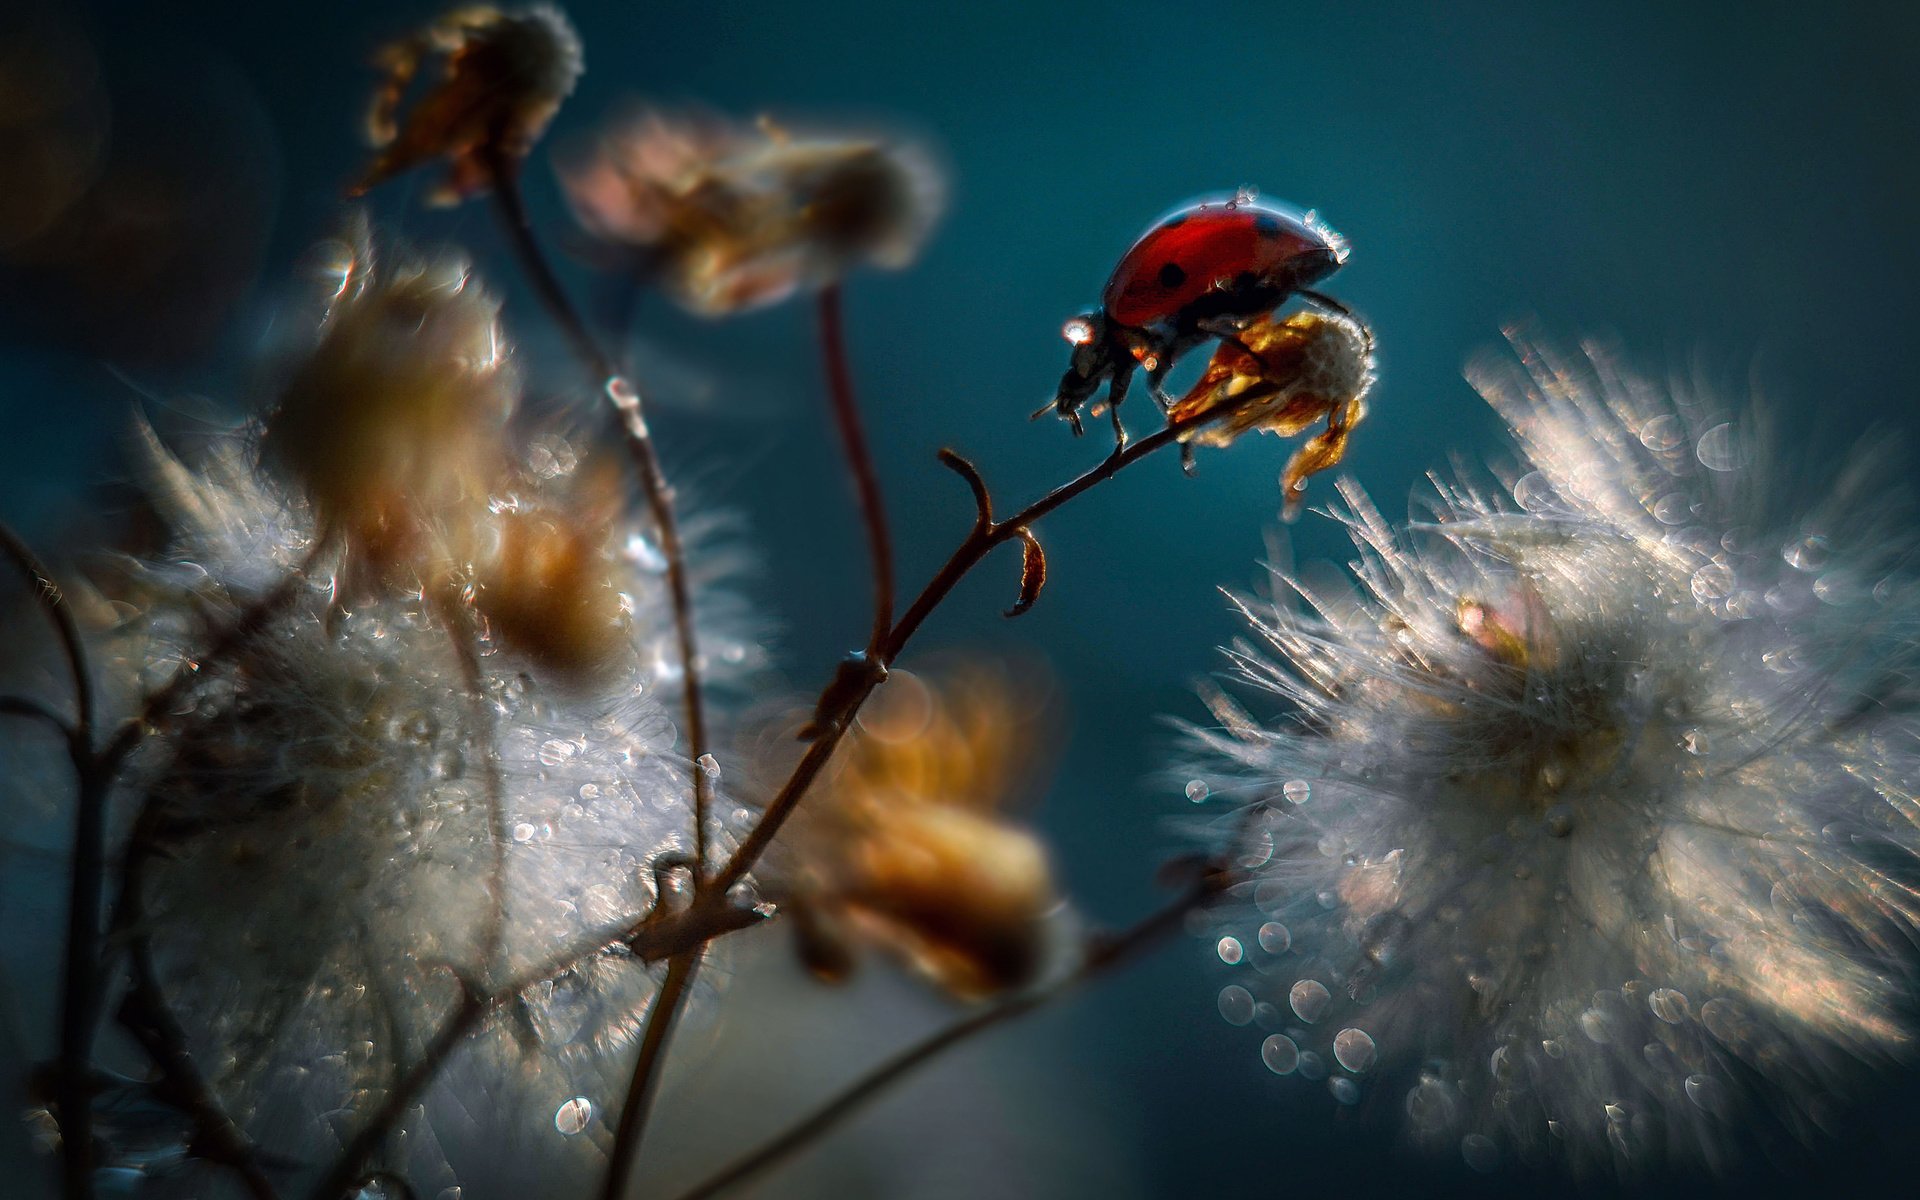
(842, 698)
(1101, 954)
(853, 439)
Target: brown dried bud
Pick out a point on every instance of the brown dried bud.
(392, 427)
(1285, 374)
(904, 845)
(735, 218)
(546, 586)
(504, 77)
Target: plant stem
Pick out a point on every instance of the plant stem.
(1101, 955)
(853, 439)
(646, 1071)
(625, 398)
(849, 691)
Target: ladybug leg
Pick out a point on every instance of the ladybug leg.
(1116, 392)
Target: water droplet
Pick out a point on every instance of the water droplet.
(573, 1115)
(1312, 1066)
(1230, 950)
(1553, 1049)
(1669, 1005)
(1197, 790)
(523, 832)
(1671, 509)
(1707, 1094)
(1236, 1005)
(1275, 938)
(642, 553)
(1480, 1152)
(1297, 791)
(1807, 554)
(1354, 1050)
(1558, 821)
(1694, 742)
(1719, 450)
(1280, 1054)
(1344, 1090)
(1598, 1026)
(709, 766)
(1430, 1105)
(1533, 492)
(1309, 999)
(1662, 433)
(1712, 582)
(555, 751)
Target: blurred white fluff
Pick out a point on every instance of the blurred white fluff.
(1593, 826)
(322, 839)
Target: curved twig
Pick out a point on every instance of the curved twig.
(853, 439)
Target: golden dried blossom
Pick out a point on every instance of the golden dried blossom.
(503, 79)
(906, 847)
(734, 217)
(546, 585)
(393, 426)
(1286, 373)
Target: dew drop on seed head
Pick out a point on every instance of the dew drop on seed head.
(1297, 791)
(709, 766)
(573, 1115)
(523, 832)
(1707, 1094)
(1558, 821)
(1236, 1005)
(1533, 492)
(1480, 1152)
(1197, 790)
(1354, 1050)
(1275, 938)
(1344, 1090)
(1807, 554)
(1230, 950)
(1718, 451)
(1280, 1054)
(1669, 1005)
(1309, 999)
(1312, 1066)
(554, 751)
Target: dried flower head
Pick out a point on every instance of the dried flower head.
(904, 844)
(1287, 373)
(505, 75)
(393, 426)
(735, 217)
(546, 583)
(1593, 830)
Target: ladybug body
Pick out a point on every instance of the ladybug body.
(1202, 271)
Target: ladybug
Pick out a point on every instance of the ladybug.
(1204, 270)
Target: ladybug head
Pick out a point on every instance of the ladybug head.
(1101, 350)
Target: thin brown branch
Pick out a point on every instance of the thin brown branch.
(625, 398)
(145, 1014)
(1100, 956)
(853, 440)
(53, 602)
(465, 638)
(850, 688)
(655, 1034)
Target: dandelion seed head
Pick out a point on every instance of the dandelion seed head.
(1612, 844)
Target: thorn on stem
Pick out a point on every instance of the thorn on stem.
(1033, 572)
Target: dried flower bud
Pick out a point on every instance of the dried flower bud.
(504, 78)
(1286, 374)
(546, 586)
(905, 846)
(392, 427)
(738, 218)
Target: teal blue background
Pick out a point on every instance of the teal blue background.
(1727, 191)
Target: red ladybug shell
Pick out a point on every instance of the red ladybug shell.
(1211, 244)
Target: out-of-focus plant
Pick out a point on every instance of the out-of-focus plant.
(1588, 825)
(396, 766)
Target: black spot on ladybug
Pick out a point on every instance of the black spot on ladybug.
(1267, 224)
(1172, 275)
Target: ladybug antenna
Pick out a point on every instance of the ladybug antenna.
(1329, 303)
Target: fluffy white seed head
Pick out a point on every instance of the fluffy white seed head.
(1592, 827)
